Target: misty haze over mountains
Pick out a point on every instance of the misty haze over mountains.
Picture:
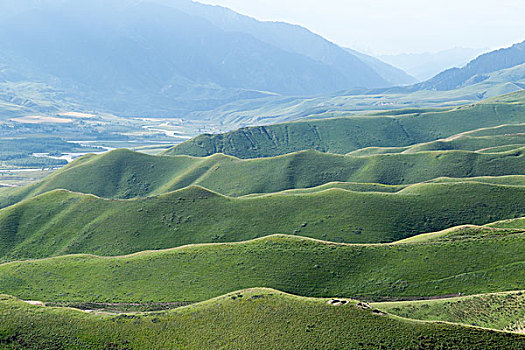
(161, 52)
(424, 66)
(474, 72)
(170, 57)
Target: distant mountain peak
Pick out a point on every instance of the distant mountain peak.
(426, 65)
(474, 72)
(170, 57)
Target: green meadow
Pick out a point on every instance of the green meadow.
(124, 174)
(488, 140)
(419, 212)
(61, 222)
(247, 319)
(398, 128)
(468, 264)
(504, 311)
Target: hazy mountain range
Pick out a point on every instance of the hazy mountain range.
(180, 58)
(477, 70)
(160, 56)
(424, 66)
(482, 78)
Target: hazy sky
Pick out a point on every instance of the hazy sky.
(396, 26)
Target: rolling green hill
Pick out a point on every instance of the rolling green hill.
(61, 222)
(239, 321)
(342, 135)
(301, 266)
(518, 223)
(380, 217)
(459, 233)
(505, 311)
(481, 140)
(511, 180)
(125, 174)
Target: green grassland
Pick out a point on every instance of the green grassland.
(505, 311)
(348, 186)
(518, 223)
(461, 233)
(365, 207)
(342, 135)
(126, 174)
(247, 319)
(501, 138)
(511, 180)
(471, 265)
(62, 222)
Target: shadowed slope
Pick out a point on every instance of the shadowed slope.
(61, 222)
(497, 139)
(126, 174)
(342, 135)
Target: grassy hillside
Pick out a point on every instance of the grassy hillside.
(126, 174)
(61, 222)
(502, 130)
(119, 174)
(511, 180)
(297, 265)
(518, 223)
(238, 321)
(343, 135)
(347, 186)
(461, 233)
(505, 311)
(481, 140)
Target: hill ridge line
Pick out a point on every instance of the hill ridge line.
(299, 298)
(268, 238)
